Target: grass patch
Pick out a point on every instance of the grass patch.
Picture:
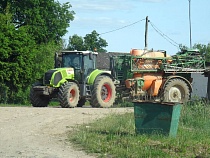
(51, 104)
(123, 104)
(54, 103)
(14, 105)
(114, 136)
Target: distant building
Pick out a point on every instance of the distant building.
(199, 85)
(103, 59)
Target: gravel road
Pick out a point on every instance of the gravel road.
(27, 132)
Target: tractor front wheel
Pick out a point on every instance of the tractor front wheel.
(104, 92)
(68, 95)
(36, 99)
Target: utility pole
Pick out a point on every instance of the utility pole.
(146, 32)
(190, 24)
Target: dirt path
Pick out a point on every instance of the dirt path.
(42, 132)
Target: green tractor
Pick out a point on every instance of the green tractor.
(74, 80)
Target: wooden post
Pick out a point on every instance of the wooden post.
(146, 32)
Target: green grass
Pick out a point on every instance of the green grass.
(14, 105)
(51, 104)
(55, 103)
(114, 136)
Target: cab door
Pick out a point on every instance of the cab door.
(89, 65)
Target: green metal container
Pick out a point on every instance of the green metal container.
(157, 118)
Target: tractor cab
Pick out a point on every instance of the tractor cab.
(83, 62)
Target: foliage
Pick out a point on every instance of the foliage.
(22, 60)
(114, 136)
(30, 34)
(182, 47)
(46, 20)
(205, 50)
(16, 55)
(90, 42)
(123, 103)
(76, 43)
(44, 58)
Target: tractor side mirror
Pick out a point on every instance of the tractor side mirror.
(91, 55)
(56, 60)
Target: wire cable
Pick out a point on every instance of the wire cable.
(122, 27)
(164, 36)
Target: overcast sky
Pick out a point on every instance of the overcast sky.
(170, 17)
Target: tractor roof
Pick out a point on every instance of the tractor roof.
(81, 52)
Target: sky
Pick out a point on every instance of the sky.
(122, 23)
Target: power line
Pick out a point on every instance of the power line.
(164, 36)
(122, 27)
(153, 26)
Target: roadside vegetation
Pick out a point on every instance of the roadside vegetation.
(29, 37)
(114, 136)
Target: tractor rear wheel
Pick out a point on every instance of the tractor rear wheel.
(36, 99)
(68, 95)
(104, 92)
(176, 90)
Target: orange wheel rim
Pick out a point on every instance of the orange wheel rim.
(72, 95)
(106, 92)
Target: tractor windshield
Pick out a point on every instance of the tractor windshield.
(72, 60)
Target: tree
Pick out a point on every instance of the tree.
(46, 20)
(30, 33)
(94, 42)
(22, 61)
(76, 43)
(204, 49)
(91, 42)
(17, 52)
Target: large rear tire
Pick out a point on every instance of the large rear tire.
(104, 92)
(176, 90)
(68, 95)
(38, 100)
